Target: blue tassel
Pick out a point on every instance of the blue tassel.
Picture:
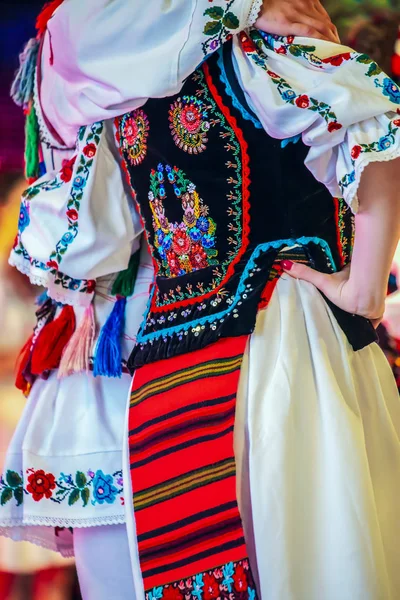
(108, 358)
(40, 300)
(22, 87)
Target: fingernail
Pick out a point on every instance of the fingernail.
(287, 264)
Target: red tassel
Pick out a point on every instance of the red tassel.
(47, 12)
(21, 364)
(51, 342)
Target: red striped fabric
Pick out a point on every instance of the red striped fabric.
(181, 423)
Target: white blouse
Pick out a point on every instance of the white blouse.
(119, 54)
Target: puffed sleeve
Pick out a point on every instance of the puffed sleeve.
(102, 58)
(340, 101)
(78, 224)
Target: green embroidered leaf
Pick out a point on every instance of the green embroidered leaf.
(82, 133)
(364, 59)
(19, 495)
(97, 138)
(230, 21)
(307, 48)
(6, 496)
(80, 479)
(85, 495)
(373, 70)
(13, 479)
(79, 170)
(216, 12)
(295, 50)
(89, 163)
(74, 497)
(82, 161)
(212, 27)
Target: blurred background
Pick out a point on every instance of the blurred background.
(28, 572)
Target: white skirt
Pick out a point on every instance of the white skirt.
(317, 444)
(63, 468)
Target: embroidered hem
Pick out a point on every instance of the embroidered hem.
(76, 296)
(37, 541)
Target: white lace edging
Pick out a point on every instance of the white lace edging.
(254, 13)
(351, 196)
(28, 521)
(44, 280)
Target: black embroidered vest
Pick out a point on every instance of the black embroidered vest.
(219, 199)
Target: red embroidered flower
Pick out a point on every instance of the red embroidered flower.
(281, 50)
(355, 152)
(173, 263)
(337, 60)
(171, 593)
(273, 75)
(90, 286)
(130, 131)
(334, 126)
(211, 587)
(90, 150)
(191, 118)
(67, 168)
(247, 43)
(198, 257)
(181, 242)
(397, 122)
(41, 485)
(240, 579)
(72, 214)
(52, 264)
(303, 101)
(290, 39)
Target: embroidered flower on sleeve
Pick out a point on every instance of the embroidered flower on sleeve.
(391, 90)
(355, 152)
(24, 219)
(90, 150)
(67, 169)
(303, 101)
(41, 485)
(72, 214)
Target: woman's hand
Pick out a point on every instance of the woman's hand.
(340, 290)
(306, 18)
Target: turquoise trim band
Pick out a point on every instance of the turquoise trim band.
(262, 248)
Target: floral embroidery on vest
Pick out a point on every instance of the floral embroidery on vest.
(134, 131)
(94, 487)
(189, 124)
(189, 245)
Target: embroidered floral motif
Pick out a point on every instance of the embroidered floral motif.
(384, 143)
(189, 124)
(134, 131)
(233, 580)
(76, 194)
(24, 218)
(189, 245)
(96, 488)
(220, 26)
(254, 48)
(67, 170)
(390, 89)
(346, 230)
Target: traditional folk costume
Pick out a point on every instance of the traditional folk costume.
(264, 422)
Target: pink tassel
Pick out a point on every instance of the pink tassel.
(75, 358)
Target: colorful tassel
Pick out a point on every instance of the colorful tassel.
(31, 144)
(45, 15)
(22, 362)
(108, 356)
(125, 281)
(53, 338)
(76, 355)
(23, 84)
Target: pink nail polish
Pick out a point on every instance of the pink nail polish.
(287, 264)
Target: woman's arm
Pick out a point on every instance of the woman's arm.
(361, 288)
